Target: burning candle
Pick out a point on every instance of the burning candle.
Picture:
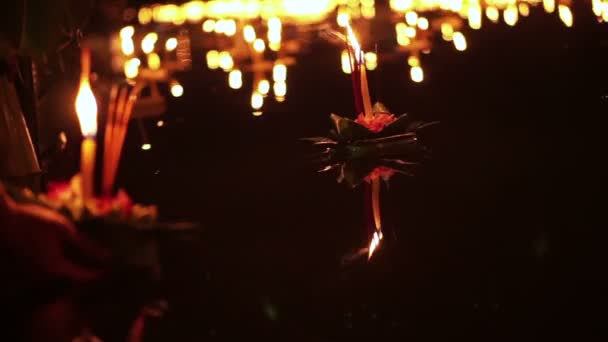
(86, 109)
(360, 60)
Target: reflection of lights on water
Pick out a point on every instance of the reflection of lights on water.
(279, 72)
(147, 44)
(171, 44)
(132, 67)
(146, 147)
(153, 61)
(460, 41)
(263, 87)
(213, 59)
(257, 100)
(235, 79)
(176, 89)
(259, 45)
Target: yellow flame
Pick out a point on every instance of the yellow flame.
(279, 72)
(249, 33)
(460, 41)
(374, 244)
(257, 100)
(235, 79)
(354, 42)
(565, 15)
(86, 108)
(343, 18)
(345, 61)
(171, 44)
(176, 89)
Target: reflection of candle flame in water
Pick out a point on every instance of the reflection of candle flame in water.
(377, 237)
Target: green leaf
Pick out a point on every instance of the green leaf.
(379, 107)
(349, 130)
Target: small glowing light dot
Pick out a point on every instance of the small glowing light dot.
(160, 123)
(176, 89)
(280, 89)
(146, 147)
(225, 61)
(417, 74)
(411, 17)
(264, 87)
(235, 79)
(460, 41)
(171, 44)
(147, 44)
(423, 23)
(279, 72)
(249, 33)
(127, 32)
(208, 25)
(213, 59)
(259, 45)
(492, 14)
(257, 100)
(153, 61)
(565, 15)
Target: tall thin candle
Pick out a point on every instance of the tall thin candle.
(86, 109)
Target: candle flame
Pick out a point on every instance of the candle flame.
(354, 42)
(86, 106)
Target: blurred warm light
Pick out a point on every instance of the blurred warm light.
(306, 10)
(249, 33)
(263, 87)
(176, 89)
(147, 44)
(524, 9)
(230, 28)
(213, 59)
(401, 5)
(549, 6)
(144, 16)
(423, 23)
(160, 123)
(153, 61)
(280, 89)
(259, 45)
(279, 72)
(194, 10)
(171, 44)
(131, 68)
(447, 30)
(511, 15)
(225, 61)
(492, 14)
(460, 41)
(371, 60)
(416, 74)
(257, 100)
(475, 16)
(146, 147)
(403, 40)
(410, 32)
(127, 32)
(345, 61)
(343, 18)
(375, 243)
(565, 15)
(127, 46)
(413, 61)
(411, 18)
(167, 14)
(86, 108)
(274, 24)
(368, 12)
(235, 79)
(208, 25)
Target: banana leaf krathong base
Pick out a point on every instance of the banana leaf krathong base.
(363, 149)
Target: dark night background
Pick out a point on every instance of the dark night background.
(494, 240)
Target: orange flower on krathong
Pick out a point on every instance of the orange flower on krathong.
(377, 122)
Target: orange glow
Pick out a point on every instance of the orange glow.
(86, 105)
(566, 15)
(375, 243)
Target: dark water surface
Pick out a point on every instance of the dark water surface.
(492, 240)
